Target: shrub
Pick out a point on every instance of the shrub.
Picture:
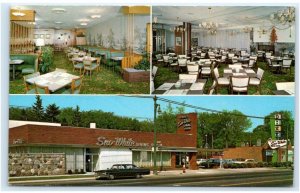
(81, 171)
(70, 172)
(76, 171)
(225, 165)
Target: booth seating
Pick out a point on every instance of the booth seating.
(30, 64)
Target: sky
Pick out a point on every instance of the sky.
(141, 107)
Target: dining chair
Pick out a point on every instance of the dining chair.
(188, 77)
(211, 90)
(221, 81)
(166, 60)
(250, 64)
(87, 66)
(159, 58)
(29, 90)
(154, 71)
(193, 69)
(256, 81)
(202, 55)
(206, 71)
(181, 56)
(286, 64)
(40, 89)
(182, 63)
(75, 86)
(239, 84)
(60, 70)
(77, 66)
(97, 63)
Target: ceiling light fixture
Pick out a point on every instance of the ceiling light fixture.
(283, 17)
(58, 10)
(18, 13)
(179, 28)
(210, 26)
(95, 16)
(58, 22)
(83, 23)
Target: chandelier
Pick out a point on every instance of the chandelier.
(179, 29)
(247, 29)
(283, 17)
(210, 26)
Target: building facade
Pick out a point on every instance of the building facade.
(47, 150)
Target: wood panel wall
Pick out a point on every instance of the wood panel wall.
(21, 39)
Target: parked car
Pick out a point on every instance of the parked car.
(211, 163)
(227, 161)
(122, 171)
(200, 161)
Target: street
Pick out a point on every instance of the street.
(235, 178)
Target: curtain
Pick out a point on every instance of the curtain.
(224, 39)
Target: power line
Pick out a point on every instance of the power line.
(206, 109)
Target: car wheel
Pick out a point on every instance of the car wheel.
(111, 176)
(138, 176)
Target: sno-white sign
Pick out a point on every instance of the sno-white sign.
(274, 144)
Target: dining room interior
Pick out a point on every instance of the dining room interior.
(223, 50)
(75, 49)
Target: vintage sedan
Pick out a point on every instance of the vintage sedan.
(122, 171)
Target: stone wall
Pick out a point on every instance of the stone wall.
(36, 164)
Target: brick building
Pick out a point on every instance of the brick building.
(85, 149)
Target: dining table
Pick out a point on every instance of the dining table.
(14, 63)
(55, 80)
(285, 88)
(239, 72)
(80, 59)
(181, 87)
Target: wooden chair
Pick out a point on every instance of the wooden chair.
(88, 67)
(29, 90)
(97, 64)
(77, 66)
(75, 86)
(39, 89)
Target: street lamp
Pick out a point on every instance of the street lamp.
(156, 109)
(206, 146)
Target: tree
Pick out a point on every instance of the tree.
(38, 109)
(166, 121)
(223, 129)
(273, 36)
(52, 111)
(76, 117)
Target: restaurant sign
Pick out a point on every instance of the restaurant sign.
(120, 141)
(274, 144)
(185, 122)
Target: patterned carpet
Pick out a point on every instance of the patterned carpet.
(103, 82)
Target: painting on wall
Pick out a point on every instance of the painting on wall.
(47, 36)
(36, 36)
(178, 41)
(195, 42)
(42, 36)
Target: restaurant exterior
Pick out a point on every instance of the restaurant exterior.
(49, 150)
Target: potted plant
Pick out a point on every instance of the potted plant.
(144, 63)
(47, 59)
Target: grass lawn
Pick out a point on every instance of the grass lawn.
(103, 82)
(267, 85)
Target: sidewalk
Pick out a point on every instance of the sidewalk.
(169, 173)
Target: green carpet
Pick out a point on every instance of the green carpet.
(103, 82)
(267, 85)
